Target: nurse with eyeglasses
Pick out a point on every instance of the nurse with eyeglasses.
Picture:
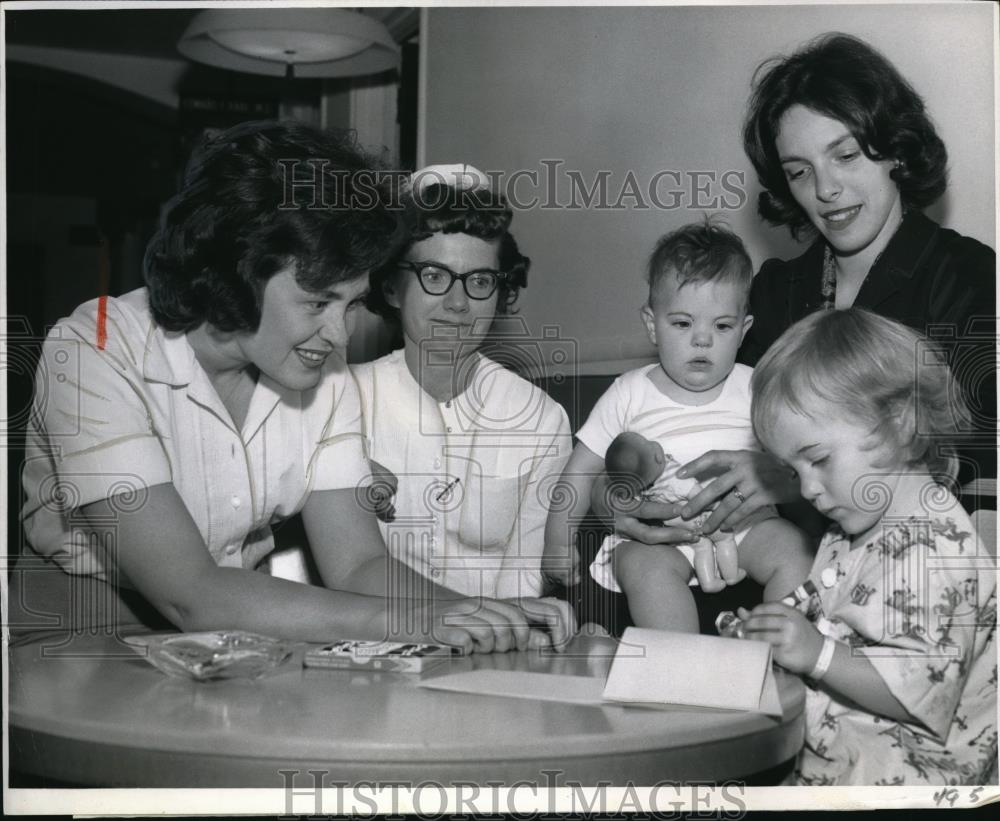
(467, 452)
(437, 279)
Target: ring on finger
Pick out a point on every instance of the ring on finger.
(736, 492)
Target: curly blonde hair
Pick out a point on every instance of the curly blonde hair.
(880, 372)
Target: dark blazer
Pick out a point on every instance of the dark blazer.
(928, 277)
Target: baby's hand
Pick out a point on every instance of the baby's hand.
(795, 640)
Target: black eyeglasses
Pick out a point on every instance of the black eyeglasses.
(437, 279)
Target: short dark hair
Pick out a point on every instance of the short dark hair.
(705, 251)
(237, 221)
(444, 209)
(843, 78)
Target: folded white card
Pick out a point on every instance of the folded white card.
(520, 684)
(662, 667)
(650, 667)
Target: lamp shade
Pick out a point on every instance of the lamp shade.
(315, 42)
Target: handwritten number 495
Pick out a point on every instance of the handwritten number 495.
(952, 795)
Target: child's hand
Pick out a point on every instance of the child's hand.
(628, 515)
(639, 530)
(795, 640)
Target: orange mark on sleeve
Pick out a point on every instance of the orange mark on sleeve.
(102, 322)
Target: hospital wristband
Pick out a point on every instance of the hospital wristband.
(823, 661)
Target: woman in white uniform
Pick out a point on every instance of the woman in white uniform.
(172, 426)
(472, 450)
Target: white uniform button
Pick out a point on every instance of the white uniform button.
(232, 549)
(448, 428)
(435, 572)
(437, 463)
(236, 501)
(828, 577)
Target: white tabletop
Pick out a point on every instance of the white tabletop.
(94, 713)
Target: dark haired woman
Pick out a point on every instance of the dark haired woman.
(170, 426)
(475, 448)
(844, 150)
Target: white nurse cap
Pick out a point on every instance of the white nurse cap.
(461, 176)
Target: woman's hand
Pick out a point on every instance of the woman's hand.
(483, 625)
(751, 480)
(626, 511)
(554, 615)
(795, 640)
(475, 625)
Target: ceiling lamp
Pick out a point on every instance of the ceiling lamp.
(299, 42)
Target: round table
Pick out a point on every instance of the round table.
(91, 712)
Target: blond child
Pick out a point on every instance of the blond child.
(897, 641)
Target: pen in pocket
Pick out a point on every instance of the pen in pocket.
(448, 488)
